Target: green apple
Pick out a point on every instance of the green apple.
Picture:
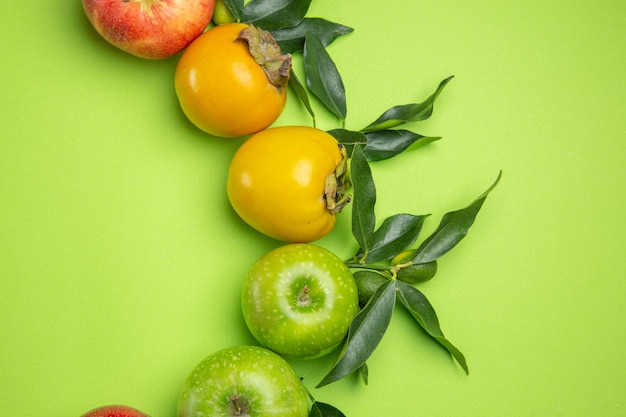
(243, 381)
(299, 300)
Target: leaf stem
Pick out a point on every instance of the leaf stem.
(375, 266)
(355, 263)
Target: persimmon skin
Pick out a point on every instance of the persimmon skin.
(276, 182)
(220, 87)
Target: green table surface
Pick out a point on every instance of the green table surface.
(121, 259)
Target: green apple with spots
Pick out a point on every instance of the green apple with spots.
(299, 300)
(243, 381)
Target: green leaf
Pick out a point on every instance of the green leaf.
(384, 144)
(396, 233)
(301, 93)
(315, 411)
(349, 138)
(322, 76)
(319, 409)
(275, 14)
(414, 112)
(452, 229)
(424, 313)
(235, 7)
(364, 372)
(365, 333)
(380, 145)
(363, 199)
(291, 39)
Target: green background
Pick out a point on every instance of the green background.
(121, 260)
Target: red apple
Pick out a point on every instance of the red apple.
(114, 411)
(152, 29)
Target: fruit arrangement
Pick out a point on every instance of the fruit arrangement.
(234, 76)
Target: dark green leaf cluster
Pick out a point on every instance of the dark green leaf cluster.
(292, 39)
(384, 254)
(287, 22)
(269, 15)
(386, 267)
(380, 140)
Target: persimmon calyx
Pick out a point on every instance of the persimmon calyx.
(338, 184)
(266, 52)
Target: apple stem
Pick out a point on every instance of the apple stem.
(237, 407)
(303, 297)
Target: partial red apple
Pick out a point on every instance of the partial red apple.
(152, 29)
(114, 411)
